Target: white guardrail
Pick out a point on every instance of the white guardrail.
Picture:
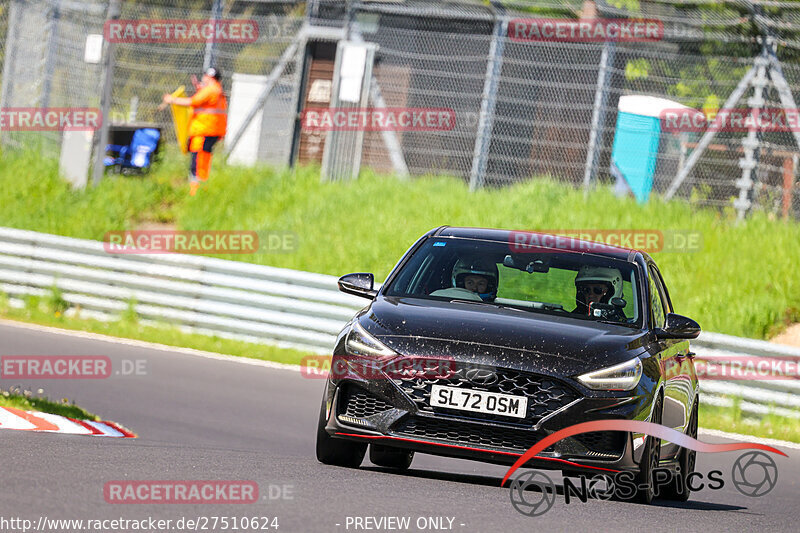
(256, 303)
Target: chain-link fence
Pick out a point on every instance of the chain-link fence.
(525, 109)
(43, 65)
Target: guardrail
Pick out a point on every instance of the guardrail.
(757, 396)
(258, 303)
(200, 294)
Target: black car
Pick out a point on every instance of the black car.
(481, 342)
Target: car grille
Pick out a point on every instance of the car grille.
(596, 445)
(359, 403)
(545, 395)
(466, 434)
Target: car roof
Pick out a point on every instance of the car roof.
(502, 235)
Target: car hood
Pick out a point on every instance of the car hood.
(483, 334)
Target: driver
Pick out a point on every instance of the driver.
(596, 285)
(477, 275)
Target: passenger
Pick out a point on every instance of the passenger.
(596, 285)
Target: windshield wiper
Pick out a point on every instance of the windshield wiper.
(614, 322)
(493, 304)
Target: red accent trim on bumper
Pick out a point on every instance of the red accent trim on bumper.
(554, 459)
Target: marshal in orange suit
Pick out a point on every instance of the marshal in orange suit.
(207, 125)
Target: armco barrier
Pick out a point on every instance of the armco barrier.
(271, 305)
(208, 295)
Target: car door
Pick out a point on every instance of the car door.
(677, 368)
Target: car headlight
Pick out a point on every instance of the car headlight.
(361, 343)
(624, 376)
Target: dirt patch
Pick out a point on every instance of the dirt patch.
(790, 336)
(150, 225)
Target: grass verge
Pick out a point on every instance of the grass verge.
(731, 419)
(742, 281)
(27, 401)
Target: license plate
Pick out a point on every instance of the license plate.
(477, 401)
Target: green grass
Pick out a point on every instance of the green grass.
(743, 282)
(27, 401)
(732, 420)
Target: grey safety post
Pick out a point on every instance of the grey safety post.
(341, 157)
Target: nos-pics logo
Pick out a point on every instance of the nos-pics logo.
(533, 493)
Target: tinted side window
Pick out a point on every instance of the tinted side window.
(655, 302)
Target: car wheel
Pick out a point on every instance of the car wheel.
(390, 457)
(679, 489)
(649, 462)
(337, 452)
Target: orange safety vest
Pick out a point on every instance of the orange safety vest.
(210, 112)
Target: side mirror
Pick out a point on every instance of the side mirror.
(678, 327)
(360, 284)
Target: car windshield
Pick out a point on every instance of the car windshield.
(584, 286)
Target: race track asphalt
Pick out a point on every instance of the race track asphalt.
(202, 418)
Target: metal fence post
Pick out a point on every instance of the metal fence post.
(494, 67)
(389, 137)
(210, 58)
(108, 82)
(9, 60)
(53, 18)
(598, 115)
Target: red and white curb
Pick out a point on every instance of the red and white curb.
(11, 418)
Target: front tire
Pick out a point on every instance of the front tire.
(337, 452)
(390, 457)
(649, 462)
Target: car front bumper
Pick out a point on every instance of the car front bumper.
(394, 412)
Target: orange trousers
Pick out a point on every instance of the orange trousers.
(201, 148)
